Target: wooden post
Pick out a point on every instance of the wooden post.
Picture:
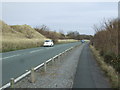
(45, 69)
(32, 75)
(12, 83)
(62, 55)
(65, 53)
(52, 61)
(58, 58)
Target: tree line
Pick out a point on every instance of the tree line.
(44, 30)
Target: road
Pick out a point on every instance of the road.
(88, 73)
(15, 63)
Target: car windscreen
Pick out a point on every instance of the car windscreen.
(48, 41)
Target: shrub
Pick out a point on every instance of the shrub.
(102, 53)
(113, 60)
(55, 40)
(108, 57)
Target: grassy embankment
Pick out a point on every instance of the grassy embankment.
(18, 37)
(109, 71)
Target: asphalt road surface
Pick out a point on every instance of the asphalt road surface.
(15, 63)
(88, 73)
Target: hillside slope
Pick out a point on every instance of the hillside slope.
(20, 31)
(19, 37)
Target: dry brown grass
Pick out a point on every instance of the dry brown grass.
(67, 41)
(109, 70)
(19, 37)
(16, 44)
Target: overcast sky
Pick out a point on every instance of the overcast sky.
(59, 16)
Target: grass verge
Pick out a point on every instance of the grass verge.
(108, 70)
(66, 41)
(17, 44)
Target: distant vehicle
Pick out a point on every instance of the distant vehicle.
(82, 41)
(48, 43)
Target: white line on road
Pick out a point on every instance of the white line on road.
(40, 50)
(10, 56)
(22, 54)
(36, 51)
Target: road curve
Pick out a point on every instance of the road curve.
(15, 63)
(88, 73)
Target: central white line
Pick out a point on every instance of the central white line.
(22, 54)
(10, 56)
(36, 51)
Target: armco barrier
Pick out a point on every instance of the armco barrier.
(37, 67)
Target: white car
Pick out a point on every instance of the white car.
(48, 43)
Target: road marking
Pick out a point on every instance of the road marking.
(35, 51)
(10, 56)
(40, 50)
(21, 54)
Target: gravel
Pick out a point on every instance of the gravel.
(58, 75)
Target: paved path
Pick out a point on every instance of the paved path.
(88, 73)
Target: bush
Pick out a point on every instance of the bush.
(113, 60)
(116, 63)
(108, 57)
(55, 40)
(102, 53)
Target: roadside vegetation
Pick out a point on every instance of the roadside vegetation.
(16, 37)
(61, 41)
(19, 37)
(44, 30)
(109, 71)
(60, 37)
(106, 41)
